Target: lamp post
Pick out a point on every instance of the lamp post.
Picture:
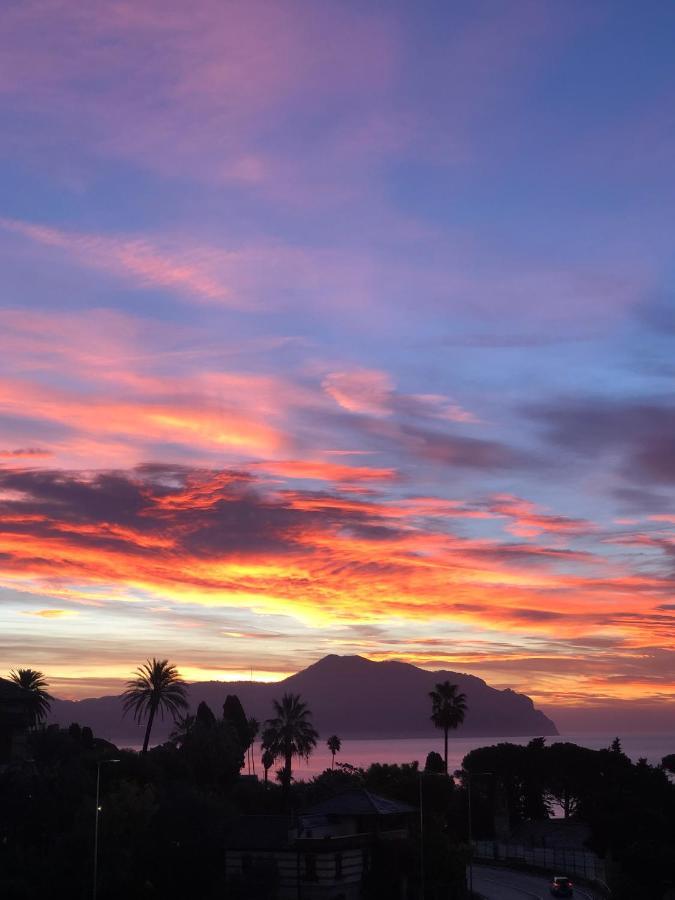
(98, 810)
(468, 791)
(421, 775)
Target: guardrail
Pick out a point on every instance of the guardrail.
(567, 861)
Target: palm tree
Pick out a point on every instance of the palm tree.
(185, 725)
(36, 683)
(290, 733)
(334, 743)
(253, 729)
(448, 708)
(156, 687)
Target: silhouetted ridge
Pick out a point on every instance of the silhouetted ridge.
(349, 695)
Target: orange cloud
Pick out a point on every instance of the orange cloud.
(204, 422)
(325, 471)
(52, 613)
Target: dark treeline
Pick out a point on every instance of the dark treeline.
(165, 812)
(629, 807)
(164, 815)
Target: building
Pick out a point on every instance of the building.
(321, 854)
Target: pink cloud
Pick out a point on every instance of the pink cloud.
(189, 89)
(24, 453)
(371, 392)
(528, 520)
(204, 423)
(136, 258)
(361, 390)
(325, 471)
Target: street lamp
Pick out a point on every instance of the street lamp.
(98, 810)
(468, 791)
(421, 775)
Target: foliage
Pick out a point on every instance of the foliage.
(163, 814)
(36, 684)
(267, 760)
(182, 727)
(629, 807)
(334, 744)
(233, 712)
(448, 708)
(435, 763)
(253, 729)
(157, 687)
(289, 733)
(212, 753)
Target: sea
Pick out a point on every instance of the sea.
(362, 752)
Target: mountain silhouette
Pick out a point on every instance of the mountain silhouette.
(348, 695)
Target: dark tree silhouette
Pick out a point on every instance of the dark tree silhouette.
(184, 725)
(157, 687)
(668, 763)
(253, 729)
(616, 746)
(233, 712)
(205, 717)
(334, 744)
(290, 733)
(434, 763)
(36, 683)
(267, 760)
(448, 708)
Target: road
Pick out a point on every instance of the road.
(505, 884)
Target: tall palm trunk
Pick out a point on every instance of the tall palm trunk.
(288, 768)
(446, 749)
(148, 727)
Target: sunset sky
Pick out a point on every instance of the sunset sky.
(339, 327)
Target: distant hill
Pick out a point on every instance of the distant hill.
(348, 695)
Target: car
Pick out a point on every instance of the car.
(561, 886)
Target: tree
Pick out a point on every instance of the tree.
(434, 763)
(36, 683)
(253, 729)
(205, 717)
(184, 725)
(268, 762)
(213, 753)
(334, 744)
(233, 712)
(668, 763)
(448, 708)
(615, 746)
(157, 687)
(290, 733)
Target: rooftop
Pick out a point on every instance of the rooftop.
(359, 802)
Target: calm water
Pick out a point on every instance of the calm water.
(362, 752)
